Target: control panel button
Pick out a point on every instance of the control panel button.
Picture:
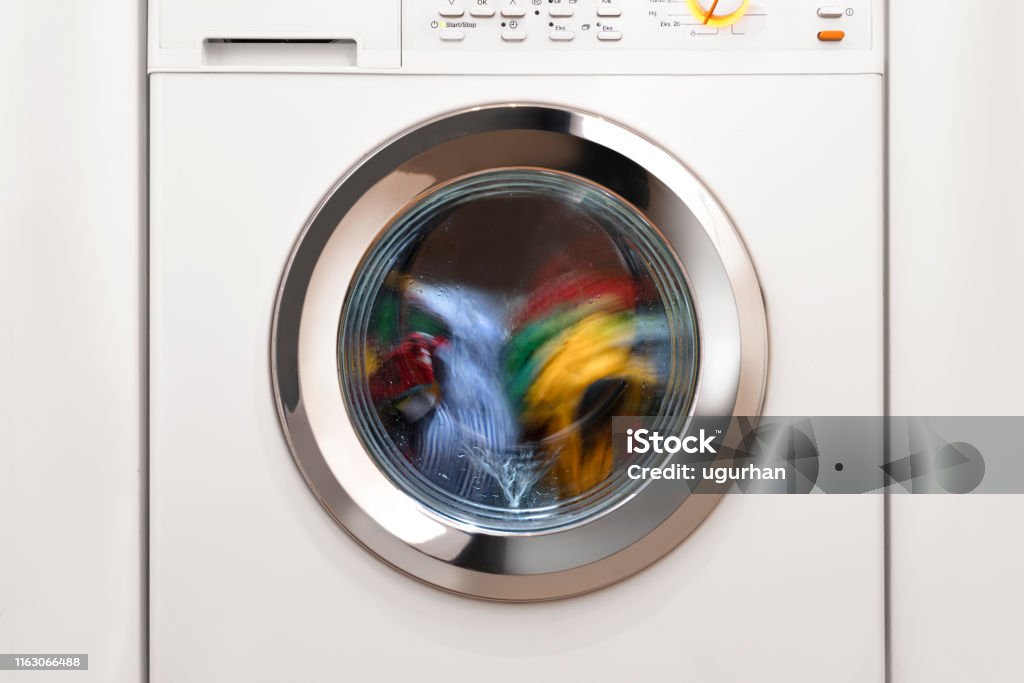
(513, 12)
(483, 11)
(559, 11)
(452, 36)
(513, 36)
(452, 11)
(609, 12)
(831, 36)
(562, 36)
(609, 35)
(831, 12)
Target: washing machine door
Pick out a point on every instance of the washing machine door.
(464, 317)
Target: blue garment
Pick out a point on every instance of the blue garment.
(465, 442)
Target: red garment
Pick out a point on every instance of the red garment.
(405, 368)
(614, 291)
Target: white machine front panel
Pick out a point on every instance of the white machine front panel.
(243, 556)
(643, 36)
(518, 36)
(559, 26)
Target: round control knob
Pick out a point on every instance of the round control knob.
(719, 13)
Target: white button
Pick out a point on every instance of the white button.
(513, 36)
(481, 11)
(831, 12)
(609, 12)
(562, 35)
(452, 11)
(609, 35)
(513, 12)
(561, 11)
(452, 35)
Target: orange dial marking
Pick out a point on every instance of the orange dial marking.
(698, 8)
(711, 12)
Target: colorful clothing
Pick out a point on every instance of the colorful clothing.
(578, 356)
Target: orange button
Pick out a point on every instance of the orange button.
(831, 36)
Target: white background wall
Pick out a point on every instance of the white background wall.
(69, 334)
(957, 326)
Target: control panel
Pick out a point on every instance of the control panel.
(660, 25)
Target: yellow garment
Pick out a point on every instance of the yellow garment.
(599, 347)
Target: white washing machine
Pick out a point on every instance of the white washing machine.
(407, 261)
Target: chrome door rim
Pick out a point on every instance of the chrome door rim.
(362, 499)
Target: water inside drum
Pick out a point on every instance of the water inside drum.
(494, 330)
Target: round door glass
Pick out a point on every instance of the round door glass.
(492, 332)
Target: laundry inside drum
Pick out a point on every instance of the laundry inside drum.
(493, 331)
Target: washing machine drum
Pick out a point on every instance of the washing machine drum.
(472, 320)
